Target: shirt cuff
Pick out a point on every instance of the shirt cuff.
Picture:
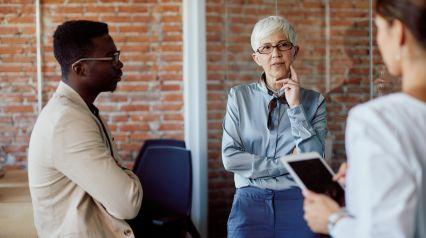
(300, 127)
(343, 228)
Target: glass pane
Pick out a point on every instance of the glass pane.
(348, 60)
(338, 57)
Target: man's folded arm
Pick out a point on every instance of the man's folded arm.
(84, 158)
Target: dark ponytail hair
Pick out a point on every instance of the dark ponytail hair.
(412, 13)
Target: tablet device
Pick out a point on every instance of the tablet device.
(311, 172)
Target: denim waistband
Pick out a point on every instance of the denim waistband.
(262, 194)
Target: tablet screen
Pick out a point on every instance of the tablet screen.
(316, 177)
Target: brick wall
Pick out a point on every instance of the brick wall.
(148, 102)
(18, 83)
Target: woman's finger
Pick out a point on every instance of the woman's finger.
(340, 177)
(342, 171)
(289, 86)
(281, 82)
(293, 84)
(287, 80)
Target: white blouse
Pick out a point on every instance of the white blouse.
(386, 179)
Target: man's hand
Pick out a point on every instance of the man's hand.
(318, 208)
(291, 88)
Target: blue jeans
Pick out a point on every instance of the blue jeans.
(266, 213)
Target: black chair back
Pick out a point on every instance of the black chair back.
(166, 178)
(155, 142)
(165, 173)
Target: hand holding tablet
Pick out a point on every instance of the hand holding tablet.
(311, 172)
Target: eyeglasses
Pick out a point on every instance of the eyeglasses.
(281, 46)
(115, 58)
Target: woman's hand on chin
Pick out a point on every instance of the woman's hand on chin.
(291, 88)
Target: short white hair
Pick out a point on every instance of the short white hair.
(268, 26)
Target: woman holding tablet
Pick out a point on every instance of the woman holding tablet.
(264, 121)
(386, 141)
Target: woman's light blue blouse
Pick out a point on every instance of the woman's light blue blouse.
(251, 151)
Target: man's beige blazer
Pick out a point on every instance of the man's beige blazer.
(77, 188)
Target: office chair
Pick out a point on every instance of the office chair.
(155, 142)
(166, 177)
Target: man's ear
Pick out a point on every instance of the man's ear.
(256, 59)
(79, 69)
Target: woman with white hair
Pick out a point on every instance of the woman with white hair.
(264, 121)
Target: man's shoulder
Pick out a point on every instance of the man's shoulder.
(60, 108)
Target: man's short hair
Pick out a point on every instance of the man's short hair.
(73, 40)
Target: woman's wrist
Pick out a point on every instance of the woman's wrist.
(334, 218)
(293, 105)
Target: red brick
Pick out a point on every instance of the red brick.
(167, 8)
(141, 77)
(172, 97)
(136, 29)
(171, 19)
(171, 87)
(99, 8)
(173, 117)
(171, 28)
(170, 47)
(132, 108)
(171, 57)
(133, 88)
(134, 127)
(133, 9)
(171, 127)
(18, 109)
(168, 107)
(147, 118)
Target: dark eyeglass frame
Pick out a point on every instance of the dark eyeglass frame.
(115, 58)
(281, 46)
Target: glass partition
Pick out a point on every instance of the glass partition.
(338, 57)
